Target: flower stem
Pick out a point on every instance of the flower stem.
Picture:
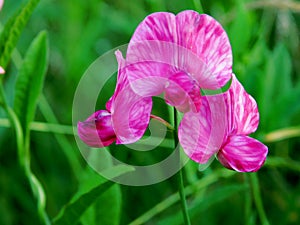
(180, 177)
(258, 200)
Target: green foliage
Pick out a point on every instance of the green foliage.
(12, 31)
(30, 80)
(72, 212)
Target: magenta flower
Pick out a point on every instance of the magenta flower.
(221, 128)
(125, 119)
(178, 55)
(2, 71)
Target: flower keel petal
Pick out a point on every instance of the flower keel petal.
(243, 154)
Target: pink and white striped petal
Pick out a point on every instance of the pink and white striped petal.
(206, 38)
(201, 135)
(245, 116)
(243, 154)
(194, 43)
(130, 115)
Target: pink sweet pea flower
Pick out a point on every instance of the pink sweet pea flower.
(125, 119)
(178, 55)
(221, 127)
(1, 4)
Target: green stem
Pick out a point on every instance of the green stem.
(180, 177)
(24, 158)
(248, 202)
(258, 200)
(189, 190)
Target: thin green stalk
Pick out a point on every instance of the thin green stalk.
(24, 158)
(198, 6)
(189, 190)
(180, 177)
(248, 203)
(61, 139)
(257, 199)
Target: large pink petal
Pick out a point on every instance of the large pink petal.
(201, 134)
(157, 26)
(245, 116)
(205, 37)
(97, 130)
(198, 33)
(243, 154)
(130, 115)
(122, 80)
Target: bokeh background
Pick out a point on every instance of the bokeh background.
(265, 40)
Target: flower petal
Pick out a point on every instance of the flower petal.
(97, 130)
(243, 154)
(122, 80)
(1, 4)
(164, 45)
(201, 134)
(157, 26)
(245, 116)
(203, 35)
(130, 115)
(2, 71)
(153, 78)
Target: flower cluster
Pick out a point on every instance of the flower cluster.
(177, 56)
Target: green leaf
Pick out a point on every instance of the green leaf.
(91, 191)
(73, 211)
(240, 30)
(30, 80)
(277, 83)
(12, 30)
(106, 210)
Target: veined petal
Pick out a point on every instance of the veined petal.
(245, 116)
(122, 80)
(183, 92)
(130, 115)
(97, 130)
(157, 26)
(206, 38)
(154, 78)
(189, 42)
(201, 134)
(243, 154)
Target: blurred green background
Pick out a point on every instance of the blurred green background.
(266, 48)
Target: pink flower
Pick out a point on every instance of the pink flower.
(2, 71)
(221, 127)
(178, 55)
(1, 4)
(125, 119)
